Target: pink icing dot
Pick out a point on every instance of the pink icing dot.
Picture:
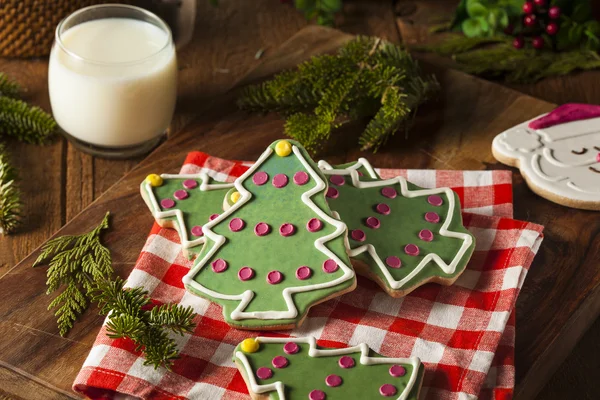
(260, 178)
(264, 373)
(358, 235)
(330, 266)
(197, 231)
(432, 217)
(291, 348)
(314, 225)
(373, 223)
(360, 173)
(190, 184)
(280, 180)
(245, 273)
(411, 249)
(426, 235)
(274, 277)
(181, 194)
(317, 395)
(280, 362)
(346, 362)
(236, 224)
(393, 262)
(332, 193)
(303, 273)
(219, 265)
(287, 230)
(383, 208)
(337, 180)
(397, 370)
(388, 390)
(389, 192)
(301, 178)
(167, 203)
(213, 216)
(333, 380)
(598, 157)
(262, 229)
(435, 200)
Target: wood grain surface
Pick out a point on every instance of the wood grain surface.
(59, 182)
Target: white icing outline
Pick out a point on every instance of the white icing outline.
(549, 154)
(447, 268)
(246, 296)
(313, 351)
(179, 222)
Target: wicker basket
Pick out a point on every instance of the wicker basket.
(27, 26)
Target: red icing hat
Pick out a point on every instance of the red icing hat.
(566, 113)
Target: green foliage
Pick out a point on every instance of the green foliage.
(8, 87)
(485, 18)
(10, 196)
(323, 11)
(76, 262)
(26, 123)
(368, 77)
(575, 33)
(149, 329)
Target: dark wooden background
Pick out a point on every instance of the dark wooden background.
(59, 182)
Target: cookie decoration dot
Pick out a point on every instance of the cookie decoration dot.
(250, 345)
(426, 235)
(291, 348)
(274, 277)
(314, 225)
(154, 180)
(280, 362)
(213, 217)
(303, 273)
(219, 265)
(262, 229)
(245, 273)
(432, 217)
(260, 178)
(236, 224)
(333, 380)
(373, 222)
(181, 194)
(197, 231)
(317, 395)
(383, 209)
(280, 181)
(287, 230)
(301, 178)
(167, 203)
(190, 184)
(235, 197)
(397, 371)
(337, 180)
(388, 390)
(264, 373)
(332, 193)
(358, 235)
(412, 249)
(283, 148)
(393, 262)
(389, 192)
(435, 200)
(330, 266)
(346, 362)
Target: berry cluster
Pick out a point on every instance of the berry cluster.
(538, 19)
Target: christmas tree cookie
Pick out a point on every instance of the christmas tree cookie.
(278, 250)
(295, 368)
(399, 235)
(185, 203)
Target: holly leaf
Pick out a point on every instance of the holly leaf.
(592, 27)
(575, 34)
(460, 15)
(582, 12)
(331, 6)
(471, 27)
(476, 9)
(503, 19)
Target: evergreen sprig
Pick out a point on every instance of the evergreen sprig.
(130, 317)
(10, 196)
(368, 77)
(24, 122)
(77, 262)
(8, 87)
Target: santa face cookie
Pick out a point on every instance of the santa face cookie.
(278, 250)
(399, 235)
(185, 203)
(558, 154)
(296, 369)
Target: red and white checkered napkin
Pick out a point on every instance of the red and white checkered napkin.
(463, 333)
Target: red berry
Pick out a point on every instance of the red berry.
(540, 3)
(552, 28)
(538, 42)
(518, 43)
(530, 20)
(528, 7)
(554, 12)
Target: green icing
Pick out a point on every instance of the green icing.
(399, 228)
(196, 208)
(305, 373)
(274, 206)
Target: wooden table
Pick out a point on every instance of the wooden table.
(59, 181)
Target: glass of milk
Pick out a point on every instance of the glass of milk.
(112, 79)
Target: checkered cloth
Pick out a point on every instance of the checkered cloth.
(464, 333)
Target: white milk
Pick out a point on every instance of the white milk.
(117, 87)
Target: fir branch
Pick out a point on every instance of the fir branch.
(27, 123)
(10, 196)
(457, 44)
(8, 87)
(75, 262)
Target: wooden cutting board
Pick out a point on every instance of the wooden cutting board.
(560, 298)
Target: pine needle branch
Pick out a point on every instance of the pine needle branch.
(24, 122)
(10, 195)
(8, 87)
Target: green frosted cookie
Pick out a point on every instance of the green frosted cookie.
(277, 250)
(399, 235)
(296, 369)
